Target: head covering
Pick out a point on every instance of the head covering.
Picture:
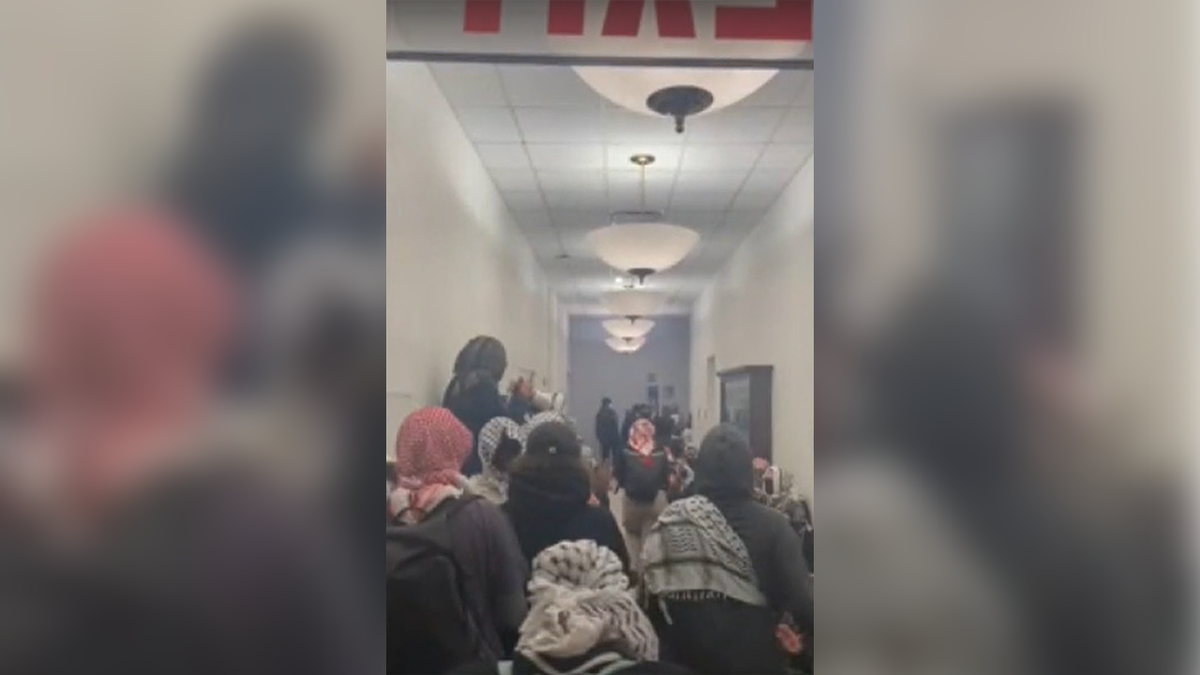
(430, 448)
(723, 466)
(692, 553)
(132, 301)
(542, 418)
(641, 437)
(492, 484)
(580, 599)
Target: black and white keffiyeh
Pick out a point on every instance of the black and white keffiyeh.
(692, 553)
(492, 485)
(580, 599)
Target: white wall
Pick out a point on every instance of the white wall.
(759, 311)
(458, 265)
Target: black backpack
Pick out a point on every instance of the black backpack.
(644, 475)
(430, 628)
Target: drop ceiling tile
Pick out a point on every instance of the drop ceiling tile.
(567, 199)
(783, 90)
(469, 84)
(718, 181)
(514, 180)
(740, 223)
(629, 128)
(577, 180)
(561, 125)
(547, 86)
(557, 156)
(576, 219)
(768, 181)
(754, 201)
(488, 125)
(693, 199)
(785, 156)
(797, 127)
(726, 157)
(523, 200)
(701, 221)
(735, 125)
(503, 155)
(625, 197)
(532, 218)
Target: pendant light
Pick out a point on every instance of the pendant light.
(628, 328)
(625, 345)
(635, 304)
(644, 246)
(677, 93)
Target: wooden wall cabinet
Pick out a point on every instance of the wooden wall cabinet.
(746, 404)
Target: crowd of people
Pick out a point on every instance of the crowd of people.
(503, 554)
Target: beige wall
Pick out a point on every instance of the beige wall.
(458, 265)
(759, 311)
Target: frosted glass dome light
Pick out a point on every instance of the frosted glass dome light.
(625, 345)
(641, 249)
(674, 92)
(635, 304)
(628, 328)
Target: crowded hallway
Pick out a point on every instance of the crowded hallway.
(599, 386)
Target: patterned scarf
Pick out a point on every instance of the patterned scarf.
(641, 437)
(693, 554)
(430, 447)
(580, 599)
(492, 484)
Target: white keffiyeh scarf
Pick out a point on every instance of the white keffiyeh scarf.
(580, 599)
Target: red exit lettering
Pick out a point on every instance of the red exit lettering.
(787, 20)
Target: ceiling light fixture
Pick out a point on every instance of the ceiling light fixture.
(644, 246)
(635, 304)
(625, 345)
(628, 328)
(677, 93)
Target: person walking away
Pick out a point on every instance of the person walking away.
(549, 491)
(721, 569)
(608, 431)
(501, 441)
(645, 472)
(437, 619)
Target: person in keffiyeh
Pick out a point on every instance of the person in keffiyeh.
(500, 442)
(430, 447)
(722, 570)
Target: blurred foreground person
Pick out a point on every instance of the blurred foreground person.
(643, 475)
(988, 564)
(455, 573)
(501, 442)
(549, 495)
(163, 550)
(583, 618)
(721, 569)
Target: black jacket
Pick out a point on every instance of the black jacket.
(608, 431)
(547, 509)
(475, 399)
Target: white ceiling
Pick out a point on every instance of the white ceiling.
(559, 153)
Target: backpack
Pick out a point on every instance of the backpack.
(644, 475)
(429, 624)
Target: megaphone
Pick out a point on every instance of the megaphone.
(548, 401)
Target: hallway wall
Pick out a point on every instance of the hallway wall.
(458, 265)
(597, 371)
(759, 311)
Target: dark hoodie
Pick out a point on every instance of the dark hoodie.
(548, 500)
